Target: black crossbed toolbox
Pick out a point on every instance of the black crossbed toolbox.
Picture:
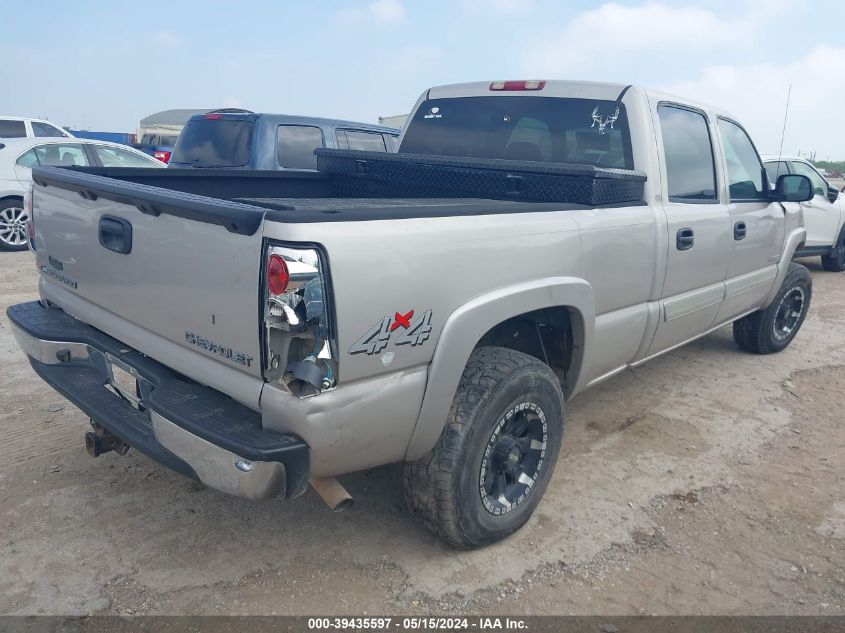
(363, 174)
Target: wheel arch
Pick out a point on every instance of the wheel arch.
(791, 244)
(477, 319)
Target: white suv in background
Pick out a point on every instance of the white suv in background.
(824, 215)
(20, 127)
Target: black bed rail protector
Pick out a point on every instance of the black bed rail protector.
(235, 217)
(227, 182)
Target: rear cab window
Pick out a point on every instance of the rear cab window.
(295, 145)
(547, 129)
(215, 141)
(12, 129)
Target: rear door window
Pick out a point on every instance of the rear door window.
(62, 155)
(45, 129)
(215, 142)
(117, 157)
(12, 129)
(688, 152)
(366, 141)
(295, 145)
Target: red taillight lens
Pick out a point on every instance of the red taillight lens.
(277, 275)
(164, 157)
(531, 84)
(213, 117)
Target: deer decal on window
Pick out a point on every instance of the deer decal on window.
(603, 121)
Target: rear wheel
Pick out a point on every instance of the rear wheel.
(835, 260)
(772, 329)
(495, 457)
(12, 225)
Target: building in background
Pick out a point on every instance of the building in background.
(397, 120)
(167, 122)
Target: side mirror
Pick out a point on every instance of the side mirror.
(832, 193)
(793, 188)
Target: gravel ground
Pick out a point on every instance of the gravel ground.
(709, 481)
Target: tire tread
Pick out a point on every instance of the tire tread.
(428, 483)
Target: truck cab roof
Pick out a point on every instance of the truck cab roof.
(562, 88)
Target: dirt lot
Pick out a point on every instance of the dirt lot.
(709, 481)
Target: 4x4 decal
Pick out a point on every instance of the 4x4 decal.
(414, 332)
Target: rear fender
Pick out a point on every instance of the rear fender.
(465, 327)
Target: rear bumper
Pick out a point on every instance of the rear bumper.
(192, 429)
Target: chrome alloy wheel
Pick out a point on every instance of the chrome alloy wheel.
(13, 226)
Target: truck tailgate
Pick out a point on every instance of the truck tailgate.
(182, 267)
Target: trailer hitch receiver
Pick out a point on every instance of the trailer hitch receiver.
(100, 441)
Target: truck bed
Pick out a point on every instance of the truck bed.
(239, 200)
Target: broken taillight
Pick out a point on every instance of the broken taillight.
(300, 350)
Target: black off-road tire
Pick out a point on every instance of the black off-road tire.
(446, 487)
(835, 260)
(762, 332)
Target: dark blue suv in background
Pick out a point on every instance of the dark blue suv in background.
(271, 141)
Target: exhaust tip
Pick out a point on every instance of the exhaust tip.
(332, 492)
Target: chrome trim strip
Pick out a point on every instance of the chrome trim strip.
(46, 351)
(218, 468)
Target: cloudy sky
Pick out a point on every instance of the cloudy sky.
(103, 66)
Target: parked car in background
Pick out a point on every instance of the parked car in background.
(23, 127)
(246, 140)
(18, 157)
(824, 215)
(159, 146)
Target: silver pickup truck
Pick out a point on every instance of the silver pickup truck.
(287, 328)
